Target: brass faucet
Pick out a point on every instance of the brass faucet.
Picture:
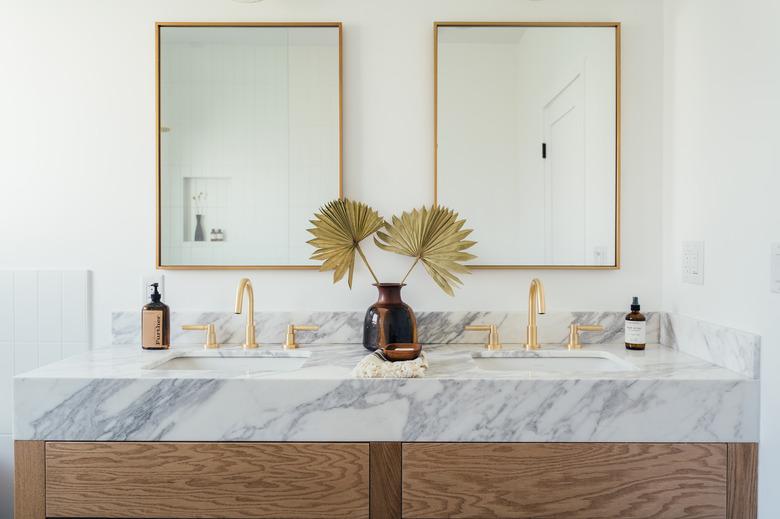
(246, 286)
(289, 342)
(574, 333)
(493, 343)
(211, 334)
(535, 305)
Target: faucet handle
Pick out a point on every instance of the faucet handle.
(211, 334)
(289, 343)
(574, 333)
(493, 342)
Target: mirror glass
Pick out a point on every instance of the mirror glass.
(249, 142)
(527, 141)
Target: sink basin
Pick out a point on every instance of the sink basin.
(234, 362)
(552, 361)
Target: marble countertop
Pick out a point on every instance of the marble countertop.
(116, 394)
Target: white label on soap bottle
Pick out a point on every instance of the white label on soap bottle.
(635, 332)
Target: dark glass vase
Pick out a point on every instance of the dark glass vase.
(199, 234)
(389, 320)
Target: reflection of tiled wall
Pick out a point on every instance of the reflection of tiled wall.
(180, 247)
(213, 207)
(44, 316)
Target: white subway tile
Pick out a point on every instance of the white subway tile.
(6, 306)
(75, 305)
(6, 387)
(73, 348)
(49, 306)
(6, 476)
(25, 306)
(25, 357)
(49, 352)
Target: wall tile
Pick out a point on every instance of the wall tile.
(49, 352)
(6, 387)
(25, 357)
(75, 306)
(49, 306)
(6, 306)
(73, 348)
(38, 311)
(25, 306)
(6, 476)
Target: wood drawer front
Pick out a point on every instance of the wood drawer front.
(571, 480)
(207, 480)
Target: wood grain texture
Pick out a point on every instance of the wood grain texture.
(571, 480)
(29, 480)
(742, 480)
(386, 480)
(207, 480)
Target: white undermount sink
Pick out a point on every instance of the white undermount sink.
(578, 361)
(249, 362)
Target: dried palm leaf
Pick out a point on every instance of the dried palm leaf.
(434, 236)
(338, 229)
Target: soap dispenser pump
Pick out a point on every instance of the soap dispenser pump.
(155, 323)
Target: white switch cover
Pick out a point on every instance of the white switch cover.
(693, 262)
(146, 289)
(775, 262)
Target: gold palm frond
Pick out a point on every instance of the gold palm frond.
(434, 236)
(338, 229)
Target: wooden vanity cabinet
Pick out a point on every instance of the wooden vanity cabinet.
(200, 480)
(572, 480)
(384, 480)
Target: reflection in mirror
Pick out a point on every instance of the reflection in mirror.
(249, 142)
(527, 140)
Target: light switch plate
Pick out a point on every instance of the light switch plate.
(775, 268)
(693, 262)
(146, 289)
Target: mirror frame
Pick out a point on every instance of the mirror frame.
(614, 25)
(158, 173)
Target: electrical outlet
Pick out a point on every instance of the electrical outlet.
(693, 262)
(775, 268)
(146, 289)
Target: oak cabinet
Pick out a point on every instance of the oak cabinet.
(384, 480)
(540, 480)
(207, 480)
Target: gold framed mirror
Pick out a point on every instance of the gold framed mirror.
(527, 140)
(249, 141)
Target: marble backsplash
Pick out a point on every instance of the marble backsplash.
(729, 348)
(732, 349)
(347, 327)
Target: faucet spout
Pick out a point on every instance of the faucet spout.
(245, 287)
(536, 305)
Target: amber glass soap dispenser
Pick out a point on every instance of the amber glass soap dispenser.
(155, 323)
(636, 325)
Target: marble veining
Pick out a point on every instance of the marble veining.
(347, 327)
(732, 349)
(109, 394)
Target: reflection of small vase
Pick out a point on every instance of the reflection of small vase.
(199, 236)
(389, 320)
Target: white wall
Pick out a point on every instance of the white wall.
(722, 180)
(77, 147)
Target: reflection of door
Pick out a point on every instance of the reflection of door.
(564, 168)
